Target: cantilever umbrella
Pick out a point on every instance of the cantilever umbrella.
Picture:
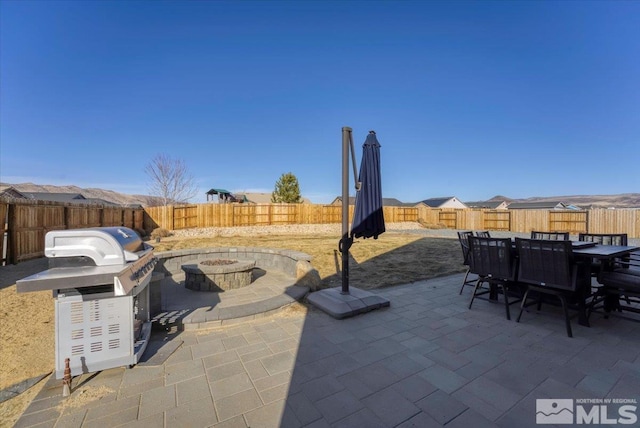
(368, 222)
(368, 217)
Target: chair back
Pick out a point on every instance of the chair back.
(483, 234)
(463, 237)
(556, 236)
(604, 238)
(492, 258)
(546, 263)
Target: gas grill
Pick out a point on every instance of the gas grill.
(99, 278)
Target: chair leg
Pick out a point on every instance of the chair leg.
(565, 309)
(524, 300)
(506, 301)
(475, 289)
(464, 281)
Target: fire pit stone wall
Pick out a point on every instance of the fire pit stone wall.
(293, 263)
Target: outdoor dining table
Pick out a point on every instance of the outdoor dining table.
(607, 254)
(589, 250)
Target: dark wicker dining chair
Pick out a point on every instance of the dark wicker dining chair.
(618, 285)
(554, 236)
(604, 238)
(493, 261)
(548, 267)
(463, 237)
(483, 234)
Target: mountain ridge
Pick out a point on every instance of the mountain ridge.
(622, 200)
(90, 193)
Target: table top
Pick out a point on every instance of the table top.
(605, 251)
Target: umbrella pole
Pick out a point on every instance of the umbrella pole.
(345, 241)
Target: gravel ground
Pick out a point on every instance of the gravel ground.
(336, 229)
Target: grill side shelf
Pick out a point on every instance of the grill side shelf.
(68, 277)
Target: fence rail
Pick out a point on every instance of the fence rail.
(26, 223)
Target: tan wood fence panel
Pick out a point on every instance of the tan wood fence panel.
(246, 215)
(471, 219)
(449, 219)
(112, 216)
(615, 221)
(572, 221)
(428, 216)
(400, 214)
(28, 224)
(528, 220)
(155, 217)
(497, 220)
(185, 217)
(78, 217)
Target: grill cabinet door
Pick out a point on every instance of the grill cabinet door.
(94, 334)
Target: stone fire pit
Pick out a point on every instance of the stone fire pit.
(218, 274)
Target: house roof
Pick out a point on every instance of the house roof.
(484, 204)
(435, 202)
(54, 197)
(540, 205)
(11, 192)
(386, 202)
(69, 198)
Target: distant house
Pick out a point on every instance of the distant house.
(11, 192)
(386, 202)
(541, 205)
(66, 198)
(265, 198)
(492, 205)
(446, 202)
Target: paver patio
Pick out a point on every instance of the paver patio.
(425, 361)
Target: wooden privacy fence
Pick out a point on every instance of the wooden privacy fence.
(230, 215)
(591, 221)
(26, 223)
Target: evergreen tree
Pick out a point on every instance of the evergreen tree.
(287, 190)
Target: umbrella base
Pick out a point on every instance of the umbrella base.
(339, 306)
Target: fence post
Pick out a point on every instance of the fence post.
(12, 243)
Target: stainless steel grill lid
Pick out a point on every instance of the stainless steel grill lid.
(104, 245)
(119, 257)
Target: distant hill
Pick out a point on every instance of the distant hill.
(107, 195)
(623, 200)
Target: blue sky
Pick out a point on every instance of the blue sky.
(468, 99)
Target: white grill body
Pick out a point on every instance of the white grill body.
(94, 334)
(100, 287)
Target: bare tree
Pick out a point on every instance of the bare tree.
(170, 180)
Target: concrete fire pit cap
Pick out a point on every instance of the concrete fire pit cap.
(207, 269)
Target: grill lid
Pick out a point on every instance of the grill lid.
(106, 246)
(120, 257)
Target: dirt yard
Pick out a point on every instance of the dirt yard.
(397, 257)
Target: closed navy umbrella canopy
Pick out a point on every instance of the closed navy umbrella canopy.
(368, 218)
